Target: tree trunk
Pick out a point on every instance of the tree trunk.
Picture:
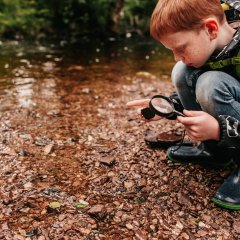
(117, 14)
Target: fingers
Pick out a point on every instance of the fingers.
(194, 135)
(191, 117)
(187, 120)
(192, 113)
(138, 103)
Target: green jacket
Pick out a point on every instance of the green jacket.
(228, 60)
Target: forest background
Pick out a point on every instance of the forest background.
(74, 19)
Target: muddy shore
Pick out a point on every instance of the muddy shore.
(74, 164)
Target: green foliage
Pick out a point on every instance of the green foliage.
(20, 16)
(73, 17)
(137, 14)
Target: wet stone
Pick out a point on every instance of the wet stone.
(48, 149)
(184, 200)
(98, 211)
(142, 182)
(129, 185)
(101, 180)
(236, 226)
(129, 226)
(41, 238)
(108, 161)
(42, 141)
(140, 235)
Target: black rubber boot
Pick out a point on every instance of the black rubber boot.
(206, 154)
(228, 195)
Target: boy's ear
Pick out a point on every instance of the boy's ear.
(212, 27)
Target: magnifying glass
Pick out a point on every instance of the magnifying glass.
(161, 106)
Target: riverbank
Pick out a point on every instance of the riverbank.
(74, 164)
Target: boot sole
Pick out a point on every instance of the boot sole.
(213, 165)
(226, 205)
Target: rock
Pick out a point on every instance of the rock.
(86, 90)
(153, 228)
(184, 236)
(140, 235)
(19, 237)
(98, 211)
(201, 225)
(28, 186)
(83, 202)
(48, 149)
(41, 238)
(85, 231)
(111, 174)
(136, 223)
(129, 226)
(61, 217)
(76, 184)
(202, 233)
(236, 226)
(75, 68)
(101, 180)
(184, 200)
(108, 161)
(128, 185)
(179, 225)
(142, 182)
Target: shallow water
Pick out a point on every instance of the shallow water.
(30, 70)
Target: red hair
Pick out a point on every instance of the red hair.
(172, 16)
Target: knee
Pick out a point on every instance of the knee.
(179, 74)
(209, 88)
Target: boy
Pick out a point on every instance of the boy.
(207, 81)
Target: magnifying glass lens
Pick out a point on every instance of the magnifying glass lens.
(162, 105)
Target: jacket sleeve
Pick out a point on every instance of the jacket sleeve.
(229, 131)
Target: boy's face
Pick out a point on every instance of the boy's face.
(192, 47)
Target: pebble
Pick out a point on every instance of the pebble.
(128, 185)
(41, 238)
(28, 186)
(236, 226)
(140, 235)
(129, 226)
(98, 211)
(201, 225)
(185, 236)
(48, 149)
(101, 180)
(155, 221)
(142, 182)
(61, 217)
(108, 161)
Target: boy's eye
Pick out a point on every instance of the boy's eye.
(180, 50)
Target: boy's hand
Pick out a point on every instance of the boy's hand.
(142, 103)
(200, 125)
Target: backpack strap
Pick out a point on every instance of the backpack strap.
(224, 62)
(233, 3)
(225, 6)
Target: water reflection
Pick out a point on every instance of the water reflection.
(48, 88)
(29, 69)
(21, 81)
(24, 95)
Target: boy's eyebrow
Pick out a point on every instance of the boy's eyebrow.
(181, 46)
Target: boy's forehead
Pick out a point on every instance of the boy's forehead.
(178, 39)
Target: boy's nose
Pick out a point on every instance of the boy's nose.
(178, 58)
